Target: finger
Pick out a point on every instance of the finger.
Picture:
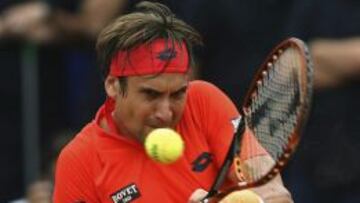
(197, 196)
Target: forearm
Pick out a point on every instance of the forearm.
(89, 20)
(273, 191)
(43, 23)
(335, 61)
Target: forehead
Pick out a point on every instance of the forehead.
(162, 82)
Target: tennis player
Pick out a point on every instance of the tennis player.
(147, 60)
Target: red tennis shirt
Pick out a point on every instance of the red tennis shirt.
(98, 166)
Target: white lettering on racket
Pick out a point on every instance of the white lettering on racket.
(235, 122)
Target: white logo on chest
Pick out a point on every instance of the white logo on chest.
(126, 194)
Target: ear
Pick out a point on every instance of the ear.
(112, 86)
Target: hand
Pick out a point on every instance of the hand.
(39, 192)
(197, 196)
(274, 192)
(242, 196)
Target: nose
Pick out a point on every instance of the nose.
(164, 113)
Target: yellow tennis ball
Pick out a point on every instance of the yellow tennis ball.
(242, 196)
(164, 145)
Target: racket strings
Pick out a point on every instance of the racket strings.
(275, 106)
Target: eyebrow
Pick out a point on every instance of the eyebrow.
(180, 90)
(148, 90)
(153, 90)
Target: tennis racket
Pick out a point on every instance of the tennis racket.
(274, 113)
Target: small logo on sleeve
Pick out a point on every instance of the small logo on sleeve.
(127, 194)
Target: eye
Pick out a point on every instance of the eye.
(151, 94)
(179, 94)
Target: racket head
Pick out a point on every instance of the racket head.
(275, 111)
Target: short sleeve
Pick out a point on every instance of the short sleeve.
(73, 180)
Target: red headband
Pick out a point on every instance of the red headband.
(159, 56)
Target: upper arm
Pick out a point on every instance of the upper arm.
(96, 18)
(92, 16)
(216, 113)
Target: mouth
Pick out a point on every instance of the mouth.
(160, 125)
(153, 127)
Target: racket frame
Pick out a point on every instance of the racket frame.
(306, 88)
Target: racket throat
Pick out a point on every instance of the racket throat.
(233, 150)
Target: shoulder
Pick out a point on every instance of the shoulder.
(202, 90)
(207, 103)
(76, 169)
(81, 150)
(82, 143)
(204, 94)
(200, 86)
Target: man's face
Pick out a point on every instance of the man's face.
(150, 102)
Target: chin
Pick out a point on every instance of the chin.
(147, 131)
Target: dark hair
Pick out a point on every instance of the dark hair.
(148, 22)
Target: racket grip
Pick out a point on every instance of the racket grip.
(207, 198)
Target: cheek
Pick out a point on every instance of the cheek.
(132, 112)
(135, 116)
(142, 112)
(144, 118)
(179, 110)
